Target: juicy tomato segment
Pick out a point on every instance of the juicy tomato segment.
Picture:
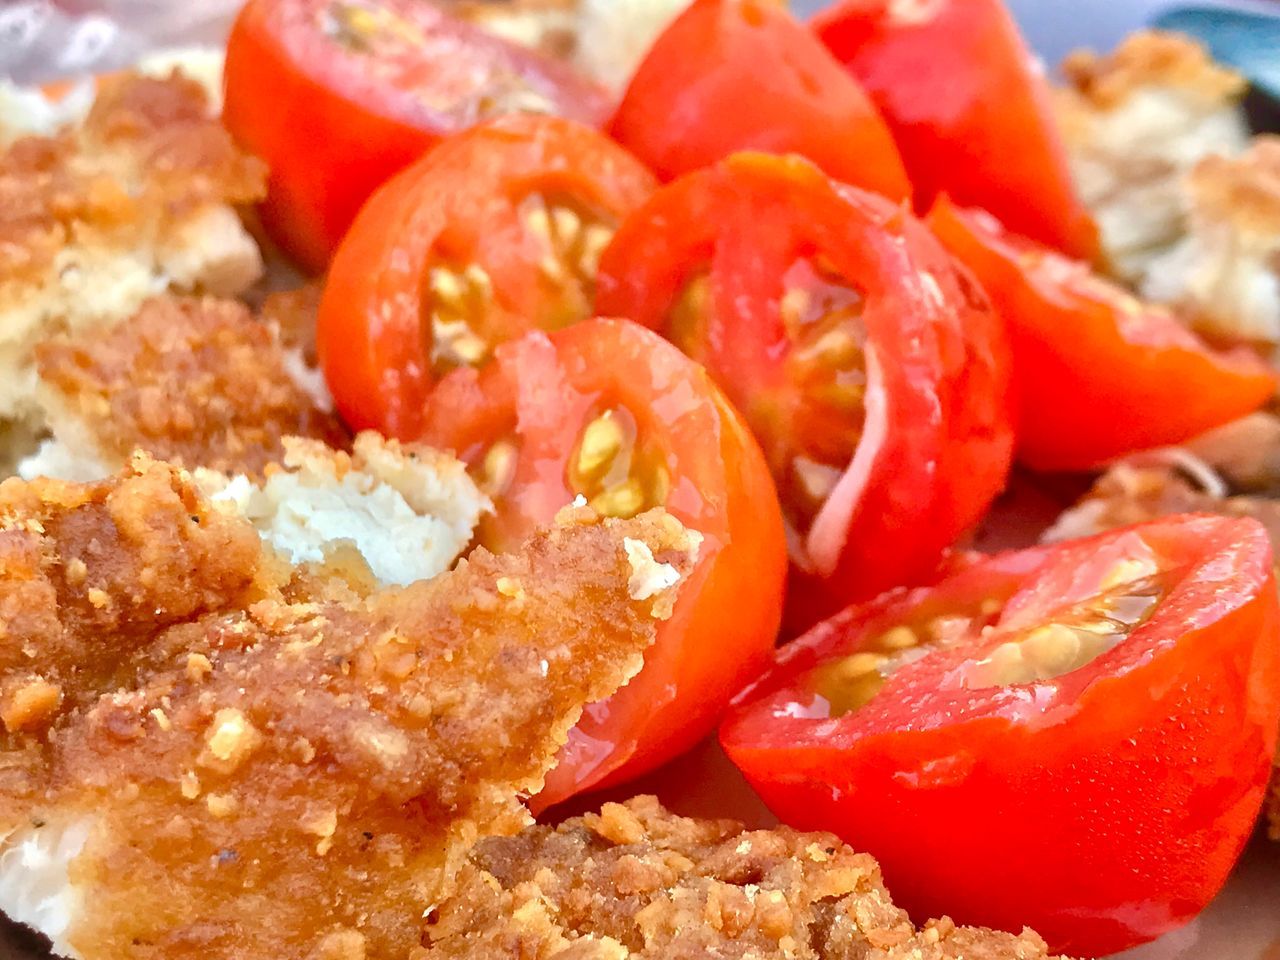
(610, 412)
(1093, 722)
(1099, 374)
(684, 107)
(358, 90)
(969, 108)
(497, 231)
(871, 369)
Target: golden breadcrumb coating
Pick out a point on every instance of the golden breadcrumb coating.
(1135, 122)
(264, 770)
(636, 881)
(1225, 275)
(135, 200)
(1148, 58)
(197, 382)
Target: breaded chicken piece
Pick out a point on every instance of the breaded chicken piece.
(407, 511)
(204, 759)
(1136, 121)
(637, 882)
(197, 382)
(136, 200)
(1224, 276)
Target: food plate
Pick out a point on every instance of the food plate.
(1243, 924)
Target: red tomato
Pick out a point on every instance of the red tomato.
(870, 367)
(969, 107)
(495, 232)
(611, 412)
(338, 95)
(732, 75)
(1075, 737)
(1099, 374)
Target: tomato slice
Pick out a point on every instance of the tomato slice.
(870, 367)
(732, 75)
(611, 412)
(1076, 737)
(969, 107)
(338, 95)
(1099, 374)
(496, 232)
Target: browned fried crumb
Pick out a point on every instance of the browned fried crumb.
(1150, 58)
(1243, 191)
(637, 881)
(198, 382)
(147, 155)
(284, 778)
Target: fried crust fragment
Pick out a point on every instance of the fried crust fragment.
(196, 382)
(635, 881)
(290, 777)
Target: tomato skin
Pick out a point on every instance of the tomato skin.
(937, 445)
(1106, 806)
(332, 128)
(540, 390)
(374, 334)
(683, 108)
(1099, 375)
(969, 107)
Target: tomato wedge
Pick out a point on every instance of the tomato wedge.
(338, 95)
(969, 107)
(611, 412)
(1075, 737)
(1099, 374)
(732, 75)
(870, 367)
(495, 232)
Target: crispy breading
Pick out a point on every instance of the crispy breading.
(1135, 122)
(94, 219)
(1225, 275)
(197, 382)
(261, 776)
(1149, 58)
(636, 881)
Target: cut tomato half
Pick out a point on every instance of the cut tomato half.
(970, 109)
(1098, 373)
(338, 95)
(496, 232)
(730, 75)
(871, 368)
(611, 413)
(1075, 737)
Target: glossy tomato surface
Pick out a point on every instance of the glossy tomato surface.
(730, 75)
(611, 412)
(338, 96)
(872, 370)
(969, 107)
(1076, 738)
(1098, 373)
(496, 232)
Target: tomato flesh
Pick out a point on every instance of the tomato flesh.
(684, 107)
(338, 95)
(611, 412)
(969, 107)
(1092, 723)
(1099, 374)
(871, 369)
(496, 232)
